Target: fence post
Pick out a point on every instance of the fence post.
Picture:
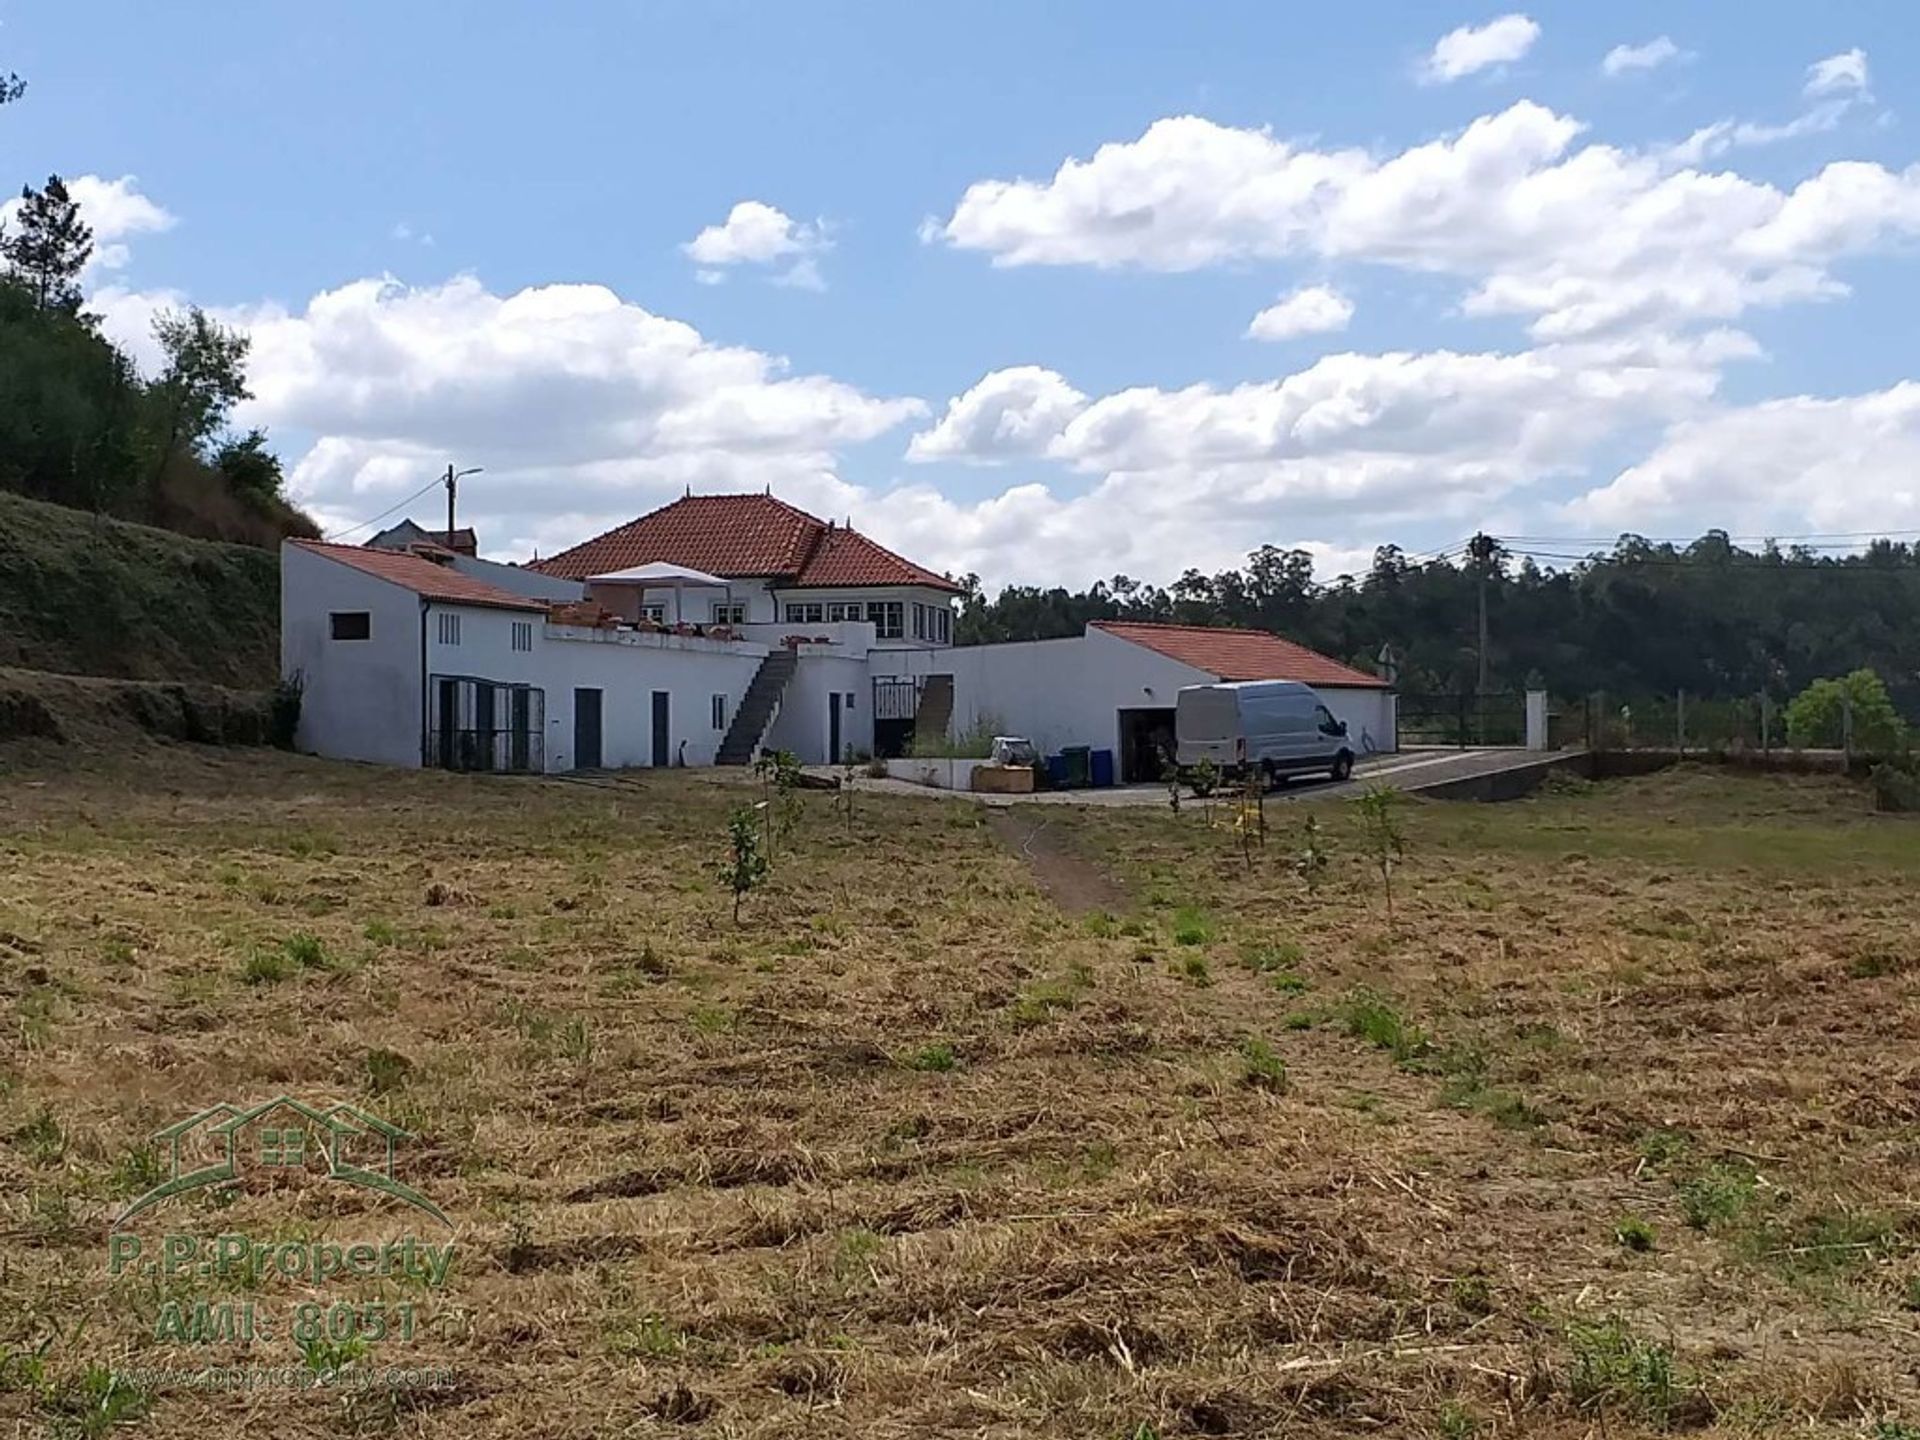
(1680, 721)
(1846, 726)
(1766, 726)
(1461, 719)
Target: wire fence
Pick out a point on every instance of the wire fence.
(1749, 724)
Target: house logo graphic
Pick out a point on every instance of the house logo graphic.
(281, 1134)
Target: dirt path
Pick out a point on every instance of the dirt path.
(1066, 877)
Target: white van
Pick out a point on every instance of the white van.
(1276, 728)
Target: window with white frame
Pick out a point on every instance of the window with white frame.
(448, 627)
(656, 613)
(805, 612)
(719, 712)
(943, 625)
(523, 635)
(729, 612)
(919, 621)
(888, 618)
(838, 610)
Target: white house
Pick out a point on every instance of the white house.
(1113, 687)
(709, 629)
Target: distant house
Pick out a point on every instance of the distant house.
(406, 535)
(709, 629)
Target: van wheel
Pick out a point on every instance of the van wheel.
(1342, 766)
(1270, 778)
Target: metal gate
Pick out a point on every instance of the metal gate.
(484, 725)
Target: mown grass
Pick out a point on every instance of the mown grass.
(914, 1151)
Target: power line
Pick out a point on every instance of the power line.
(353, 529)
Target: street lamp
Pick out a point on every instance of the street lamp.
(452, 480)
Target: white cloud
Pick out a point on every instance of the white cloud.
(1840, 74)
(1353, 446)
(117, 211)
(1469, 49)
(583, 407)
(1790, 465)
(1315, 310)
(1574, 238)
(1626, 59)
(758, 234)
(1009, 414)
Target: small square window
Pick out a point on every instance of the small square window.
(351, 624)
(656, 613)
(449, 628)
(523, 635)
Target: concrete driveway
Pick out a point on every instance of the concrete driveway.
(1409, 768)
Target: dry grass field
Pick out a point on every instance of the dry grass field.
(1614, 1129)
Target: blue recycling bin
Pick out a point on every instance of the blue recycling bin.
(1102, 768)
(1056, 772)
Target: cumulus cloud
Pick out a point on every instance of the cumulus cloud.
(583, 407)
(1789, 464)
(1204, 473)
(1471, 48)
(1314, 310)
(755, 233)
(1011, 413)
(117, 211)
(1628, 59)
(1845, 73)
(1573, 238)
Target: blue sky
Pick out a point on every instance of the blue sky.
(436, 169)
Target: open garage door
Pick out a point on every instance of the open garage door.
(1146, 745)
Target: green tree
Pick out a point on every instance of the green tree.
(204, 377)
(12, 87)
(1818, 715)
(250, 468)
(50, 246)
(1378, 811)
(746, 863)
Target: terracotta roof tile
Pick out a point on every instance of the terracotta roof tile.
(1239, 654)
(422, 576)
(846, 557)
(742, 537)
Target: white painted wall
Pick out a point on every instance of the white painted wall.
(362, 697)
(1370, 715)
(627, 667)
(518, 580)
(804, 722)
(1054, 692)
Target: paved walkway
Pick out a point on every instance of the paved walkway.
(1410, 770)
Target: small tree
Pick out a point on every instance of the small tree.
(779, 772)
(746, 863)
(1378, 811)
(204, 377)
(1310, 863)
(849, 772)
(1250, 821)
(1818, 715)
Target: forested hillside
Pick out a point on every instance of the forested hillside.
(79, 424)
(1709, 617)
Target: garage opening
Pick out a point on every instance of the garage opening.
(1146, 745)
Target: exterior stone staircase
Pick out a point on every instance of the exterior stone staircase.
(757, 708)
(935, 710)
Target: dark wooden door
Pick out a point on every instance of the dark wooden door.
(662, 725)
(586, 729)
(833, 727)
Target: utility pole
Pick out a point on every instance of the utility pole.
(1481, 548)
(452, 480)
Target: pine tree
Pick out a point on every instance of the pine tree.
(50, 246)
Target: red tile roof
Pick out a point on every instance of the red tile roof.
(742, 537)
(1239, 654)
(423, 576)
